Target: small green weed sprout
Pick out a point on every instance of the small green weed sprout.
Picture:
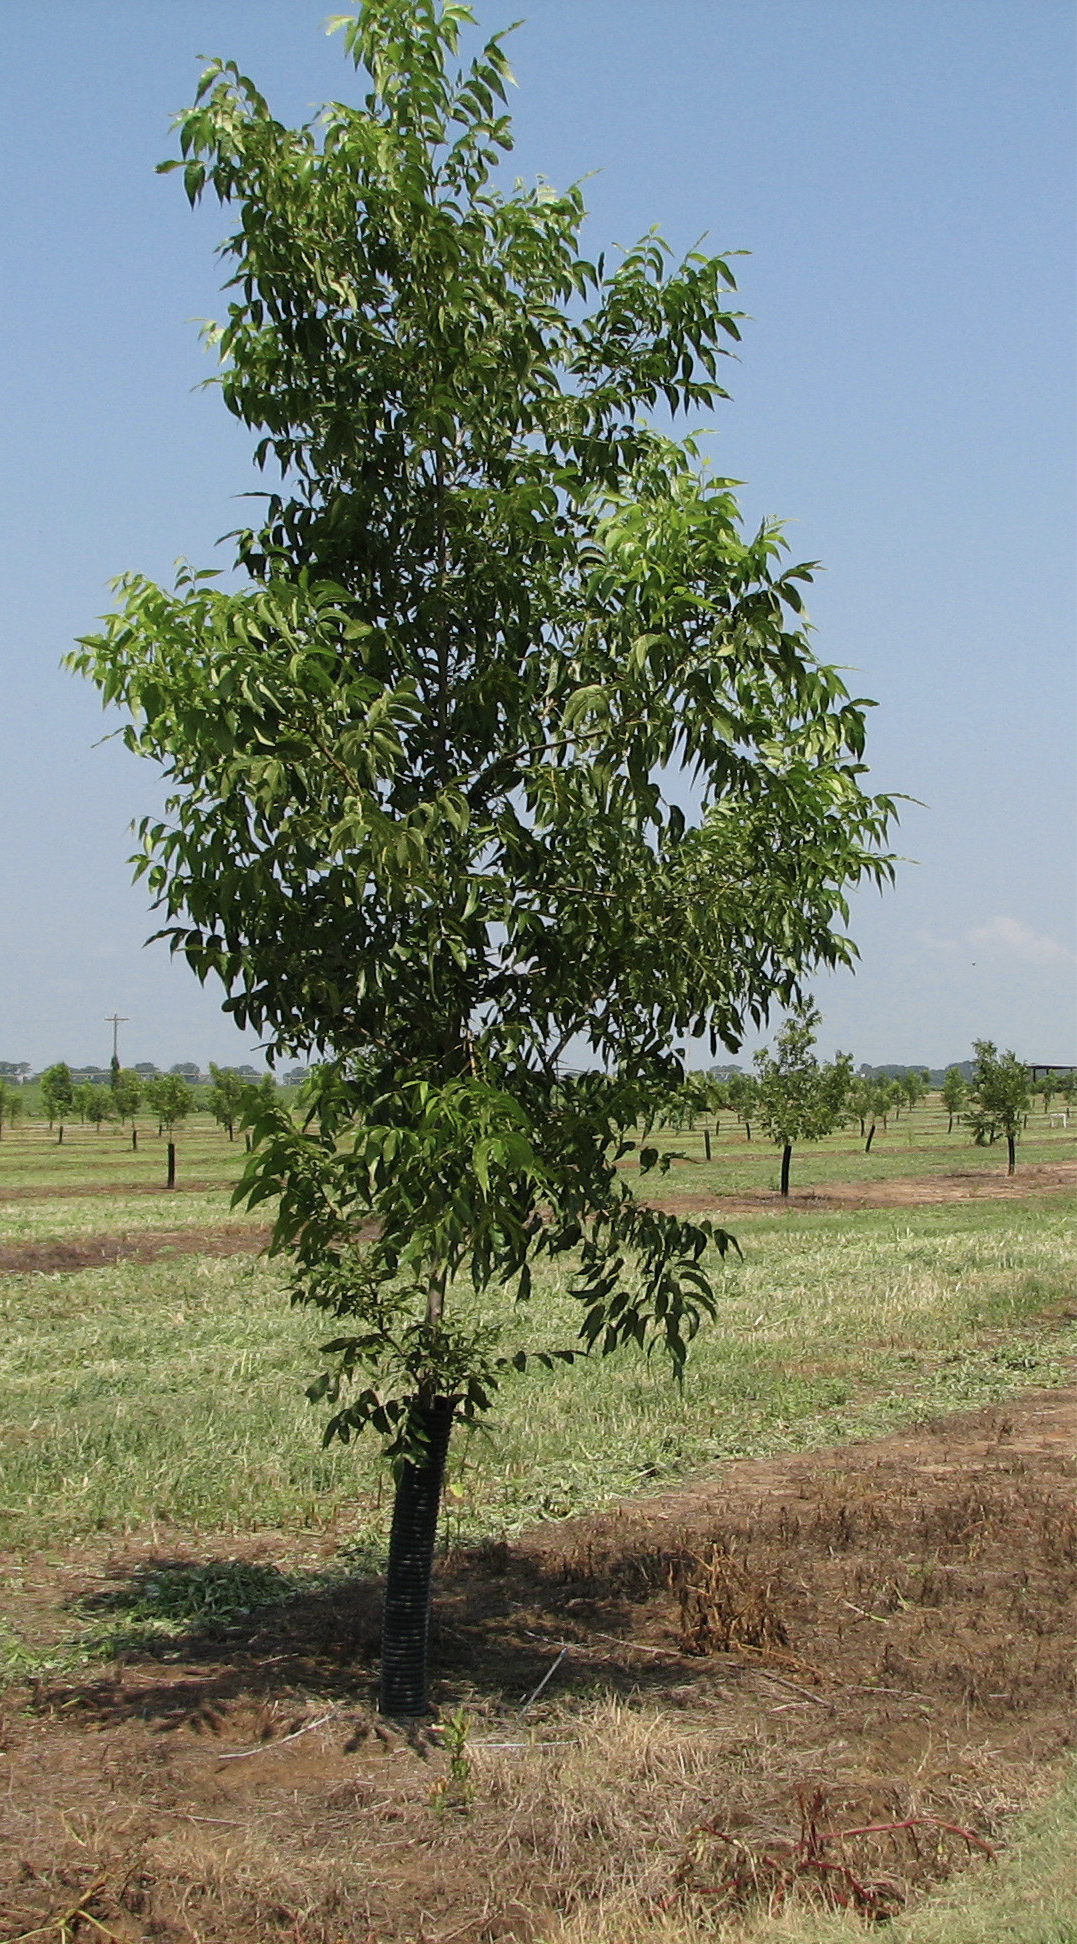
(455, 1790)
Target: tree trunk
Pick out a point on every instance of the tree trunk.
(871, 1137)
(950, 1127)
(748, 1129)
(1011, 1143)
(60, 1136)
(171, 1180)
(787, 1156)
(134, 1139)
(707, 1143)
(405, 1626)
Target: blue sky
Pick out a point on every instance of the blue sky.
(902, 178)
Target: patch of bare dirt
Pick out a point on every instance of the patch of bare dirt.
(88, 1190)
(876, 1638)
(77, 1252)
(912, 1191)
(91, 1251)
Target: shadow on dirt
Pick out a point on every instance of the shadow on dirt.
(182, 1635)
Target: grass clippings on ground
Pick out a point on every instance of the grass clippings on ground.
(172, 1393)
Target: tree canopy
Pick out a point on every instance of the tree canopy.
(169, 1097)
(954, 1092)
(800, 1098)
(418, 823)
(999, 1098)
(57, 1093)
(127, 1089)
(225, 1098)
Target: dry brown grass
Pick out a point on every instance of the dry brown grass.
(724, 1607)
(1025, 1895)
(879, 1636)
(594, 1840)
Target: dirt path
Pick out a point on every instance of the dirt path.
(233, 1238)
(73, 1253)
(881, 1630)
(96, 1190)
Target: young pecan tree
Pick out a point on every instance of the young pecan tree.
(419, 825)
(800, 1097)
(999, 1098)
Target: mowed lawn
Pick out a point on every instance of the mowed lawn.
(915, 1144)
(97, 1161)
(171, 1393)
(32, 1161)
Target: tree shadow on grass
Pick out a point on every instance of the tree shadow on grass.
(174, 1636)
(174, 1628)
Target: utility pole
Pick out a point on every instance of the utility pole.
(115, 1020)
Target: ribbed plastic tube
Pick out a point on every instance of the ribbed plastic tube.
(405, 1627)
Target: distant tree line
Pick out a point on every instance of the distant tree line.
(233, 1096)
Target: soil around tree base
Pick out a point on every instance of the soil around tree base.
(881, 1630)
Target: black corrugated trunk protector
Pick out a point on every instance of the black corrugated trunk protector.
(787, 1156)
(405, 1625)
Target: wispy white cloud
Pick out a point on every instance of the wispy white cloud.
(1009, 935)
(999, 938)
(946, 948)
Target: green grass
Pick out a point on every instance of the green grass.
(149, 1398)
(94, 1184)
(153, 1607)
(60, 1220)
(173, 1393)
(163, 1393)
(832, 1328)
(916, 1145)
(31, 1157)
